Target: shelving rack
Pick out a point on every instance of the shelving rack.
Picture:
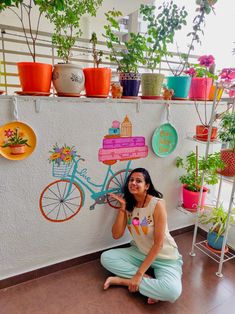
(202, 246)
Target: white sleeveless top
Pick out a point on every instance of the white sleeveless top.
(140, 223)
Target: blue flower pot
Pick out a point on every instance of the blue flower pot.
(180, 85)
(130, 83)
(212, 242)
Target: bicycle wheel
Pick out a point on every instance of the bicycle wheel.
(53, 204)
(116, 182)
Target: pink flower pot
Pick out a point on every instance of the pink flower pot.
(191, 199)
(200, 88)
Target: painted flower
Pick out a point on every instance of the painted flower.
(67, 158)
(54, 156)
(14, 137)
(64, 154)
(9, 133)
(206, 61)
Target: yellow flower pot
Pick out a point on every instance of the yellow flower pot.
(212, 93)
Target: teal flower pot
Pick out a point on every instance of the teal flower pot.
(212, 242)
(180, 85)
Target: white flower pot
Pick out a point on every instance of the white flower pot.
(68, 79)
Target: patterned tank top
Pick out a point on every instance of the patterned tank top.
(140, 223)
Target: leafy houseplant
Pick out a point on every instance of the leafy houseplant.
(227, 135)
(127, 57)
(161, 28)
(218, 218)
(181, 83)
(195, 166)
(205, 7)
(97, 80)
(68, 79)
(30, 80)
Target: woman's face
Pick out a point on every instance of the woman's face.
(137, 184)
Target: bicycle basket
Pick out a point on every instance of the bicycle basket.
(62, 169)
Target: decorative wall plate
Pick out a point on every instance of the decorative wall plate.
(22, 130)
(164, 140)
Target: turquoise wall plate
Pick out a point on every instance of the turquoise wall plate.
(164, 140)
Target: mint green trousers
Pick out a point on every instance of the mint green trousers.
(166, 286)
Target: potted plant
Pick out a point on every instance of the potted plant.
(15, 141)
(180, 82)
(34, 76)
(195, 166)
(227, 135)
(97, 80)
(202, 77)
(127, 57)
(218, 217)
(68, 78)
(161, 28)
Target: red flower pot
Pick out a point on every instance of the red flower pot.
(200, 88)
(34, 76)
(191, 199)
(97, 82)
(202, 133)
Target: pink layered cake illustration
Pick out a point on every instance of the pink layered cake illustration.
(119, 144)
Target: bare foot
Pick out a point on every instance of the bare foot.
(114, 281)
(152, 301)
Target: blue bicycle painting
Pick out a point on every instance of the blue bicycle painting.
(62, 199)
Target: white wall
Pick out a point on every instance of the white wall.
(28, 240)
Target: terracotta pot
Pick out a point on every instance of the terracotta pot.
(68, 79)
(191, 199)
(17, 149)
(97, 82)
(35, 77)
(228, 157)
(202, 133)
(200, 88)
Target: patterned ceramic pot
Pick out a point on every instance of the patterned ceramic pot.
(130, 83)
(68, 79)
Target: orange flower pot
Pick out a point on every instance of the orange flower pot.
(212, 93)
(202, 133)
(34, 76)
(97, 82)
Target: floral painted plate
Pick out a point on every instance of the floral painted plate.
(17, 140)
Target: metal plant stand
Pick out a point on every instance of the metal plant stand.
(202, 246)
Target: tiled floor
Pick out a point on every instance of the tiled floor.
(78, 290)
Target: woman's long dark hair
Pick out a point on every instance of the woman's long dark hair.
(129, 198)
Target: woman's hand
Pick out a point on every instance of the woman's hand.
(135, 282)
(119, 198)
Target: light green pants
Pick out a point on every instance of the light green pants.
(125, 262)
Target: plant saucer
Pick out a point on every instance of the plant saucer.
(214, 250)
(25, 93)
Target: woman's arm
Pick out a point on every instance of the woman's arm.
(160, 218)
(120, 223)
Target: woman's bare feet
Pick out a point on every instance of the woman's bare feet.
(152, 301)
(115, 281)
